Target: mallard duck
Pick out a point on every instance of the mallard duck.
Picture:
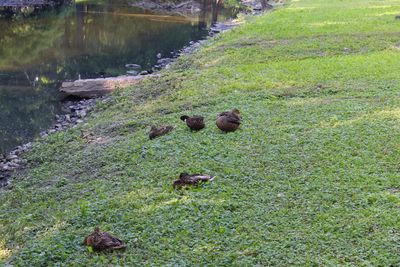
(186, 179)
(194, 123)
(159, 131)
(229, 121)
(103, 241)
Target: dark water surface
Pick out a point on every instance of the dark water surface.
(82, 40)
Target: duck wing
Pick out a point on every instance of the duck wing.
(232, 118)
(157, 132)
(226, 113)
(196, 178)
(198, 117)
(108, 241)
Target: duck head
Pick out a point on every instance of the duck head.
(183, 175)
(184, 117)
(236, 111)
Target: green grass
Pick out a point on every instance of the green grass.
(311, 178)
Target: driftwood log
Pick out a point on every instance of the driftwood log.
(97, 87)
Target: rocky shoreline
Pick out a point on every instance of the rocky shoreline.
(76, 111)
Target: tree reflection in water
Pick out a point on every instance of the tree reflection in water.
(81, 40)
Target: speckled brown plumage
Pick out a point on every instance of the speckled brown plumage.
(186, 179)
(195, 123)
(159, 131)
(229, 121)
(103, 241)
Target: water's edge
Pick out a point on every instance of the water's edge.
(76, 110)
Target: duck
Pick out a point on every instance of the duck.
(186, 179)
(159, 131)
(100, 241)
(229, 121)
(195, 123)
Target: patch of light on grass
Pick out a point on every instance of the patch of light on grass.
(300, 8)
(379, 6)
(214, 62)
(4, 251)
(395, 113)
(334, 122)
(154, 207)
(327, 23)
(387, 13)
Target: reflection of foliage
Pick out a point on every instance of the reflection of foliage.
(90, 42)
(20, 9)
(16, 102)
(24, 41)
(102, 39)
(85, 39)
(235, 5)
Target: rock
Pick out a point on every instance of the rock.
(132, 72)
(16, 161)
(164, 61)
(187, 8)
(12, 165)
(67, 118)
(221, 27)
(5, 167)
(133, 66)
(11, 157)
(159, 55)
(81, 113)
(144, 72)
(97, 87)
(4, 179)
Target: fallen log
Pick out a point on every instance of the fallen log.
(90, 88)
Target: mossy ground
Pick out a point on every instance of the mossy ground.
(311, 178)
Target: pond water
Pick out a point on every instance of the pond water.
(83, 40)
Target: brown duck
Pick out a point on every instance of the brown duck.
(159, 131)
(229, 121)
(186, 179)
(103, 241)
(195, 123)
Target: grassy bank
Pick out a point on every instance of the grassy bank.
(311, 178)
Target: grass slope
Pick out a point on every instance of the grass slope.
(311, 178)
